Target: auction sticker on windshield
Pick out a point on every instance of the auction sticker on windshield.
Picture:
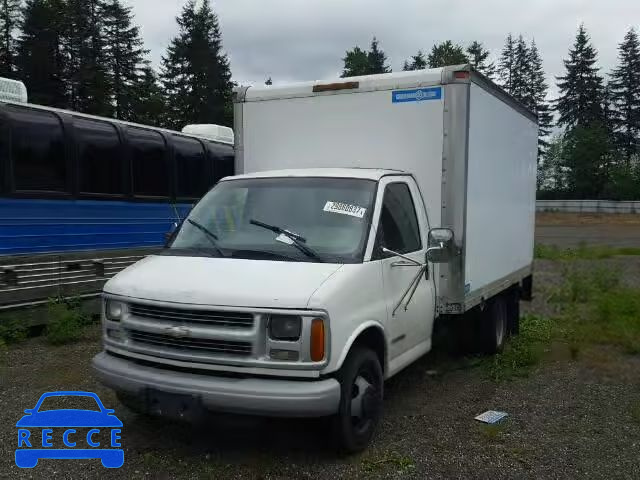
(345, 209)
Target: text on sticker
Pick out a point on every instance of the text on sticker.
(345, 209)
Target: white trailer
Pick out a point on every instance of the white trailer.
(368, 209)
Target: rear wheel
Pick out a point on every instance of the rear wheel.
(362, 383)
(495, 320)
(513, 311)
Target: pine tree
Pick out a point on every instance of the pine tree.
(520, 75)
(195, 71)
(586, 156)
(580, 88)
(625, 97)
(479, 59)
(10, 14)
(83, 46)
(446, 53)
(41, 63)
(377, 59)
(149, 103)
(506, 64)
(417, 62)
(124, 57)
(356, 63)
(537, 97)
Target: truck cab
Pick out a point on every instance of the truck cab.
(297, 292)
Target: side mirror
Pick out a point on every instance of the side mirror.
(441, 246)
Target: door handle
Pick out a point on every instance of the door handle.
(404, 263)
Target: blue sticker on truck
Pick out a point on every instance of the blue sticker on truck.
(416, 95)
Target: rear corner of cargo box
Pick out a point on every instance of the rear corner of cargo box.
(501, 191)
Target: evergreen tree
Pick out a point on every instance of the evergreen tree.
(10, 13)
(124, 57)
(537, 97)
(586, 156)
(41, 63)
(417, 62)
(195, 71)
(356, 63)
(83, 46)
(377, 59)
(149, 103)
(520, 75)
(479, 59)
(446, 53)
(506, 64)
(625, 96)
(580, 88)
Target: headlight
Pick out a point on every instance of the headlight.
(113, 310)
(285, 327)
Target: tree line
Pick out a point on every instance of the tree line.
(589, 141)
(89, 56)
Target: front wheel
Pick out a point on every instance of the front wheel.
(362, 384)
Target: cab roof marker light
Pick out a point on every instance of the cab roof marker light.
(329, 87)
(462, 75)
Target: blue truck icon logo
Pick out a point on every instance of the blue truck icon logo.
(36, 432)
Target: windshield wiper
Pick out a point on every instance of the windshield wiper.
(298, 240)
(212, 237)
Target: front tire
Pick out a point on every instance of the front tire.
(362, 385)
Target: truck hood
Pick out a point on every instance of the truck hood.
(222, 281)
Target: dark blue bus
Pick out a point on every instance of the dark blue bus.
(81, 197)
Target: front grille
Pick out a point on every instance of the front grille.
(193, 345)
(193, 316)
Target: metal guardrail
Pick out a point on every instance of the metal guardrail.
(30, 280)
(587, 206)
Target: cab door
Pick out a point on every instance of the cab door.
(402, 227)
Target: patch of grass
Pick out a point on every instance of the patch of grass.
(582, 252)
(64, 323)
(523, 352)
(12, 329)
(493, 432)
(400, 463)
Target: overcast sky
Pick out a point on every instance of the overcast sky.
(293, 40)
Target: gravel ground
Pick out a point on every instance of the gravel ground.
(568, 419)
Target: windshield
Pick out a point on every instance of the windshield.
(328, 220)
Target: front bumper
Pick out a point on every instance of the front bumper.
(254, 396)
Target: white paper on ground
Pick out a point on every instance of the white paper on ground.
(491, 416)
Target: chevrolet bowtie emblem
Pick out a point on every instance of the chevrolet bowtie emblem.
(178, 332)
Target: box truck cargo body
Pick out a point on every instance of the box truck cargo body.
(365, 210)
(471, 148)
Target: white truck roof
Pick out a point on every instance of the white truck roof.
(210, 131)
(363, 173)
(13, 91)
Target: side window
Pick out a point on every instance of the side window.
(37, 151)
(223, 160)
(193, 176)
(99, 157)
(398, 229)
(150, 169)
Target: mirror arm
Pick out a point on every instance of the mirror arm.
(408, 259)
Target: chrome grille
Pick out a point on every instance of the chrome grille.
(193, 316)
(240, 349)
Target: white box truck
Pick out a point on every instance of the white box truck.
(368, 208)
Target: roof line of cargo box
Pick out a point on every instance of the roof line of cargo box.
(382, 82)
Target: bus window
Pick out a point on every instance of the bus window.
(37, 151)
(223, 160)
(99, 157)
(193, 177)
(150, 169)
